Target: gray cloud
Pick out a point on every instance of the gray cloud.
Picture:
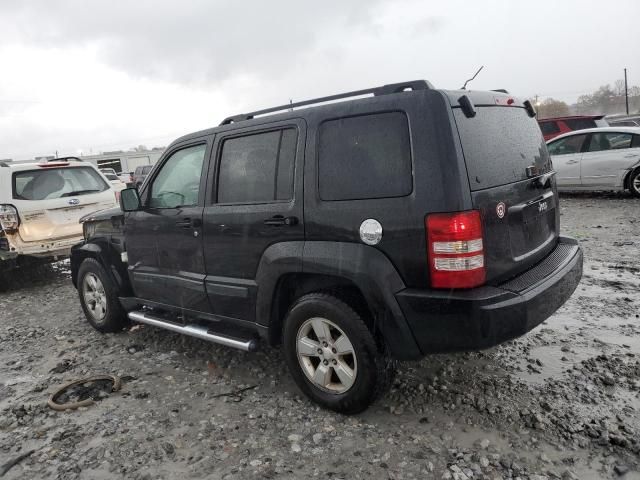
(202, 42)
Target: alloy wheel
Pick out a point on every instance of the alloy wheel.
(95, 298)
(326, 355)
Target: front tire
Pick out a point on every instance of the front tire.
(634, 182)
(99, 297)
(332, 355)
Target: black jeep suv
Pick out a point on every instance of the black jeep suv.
(353, 233)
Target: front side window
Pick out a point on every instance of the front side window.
(609, 141)
(258, 168)
(367, 156)
(567, 145)
(178, 181)
(49, 183)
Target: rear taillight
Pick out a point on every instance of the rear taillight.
(9, 219)
(117, 196)
(455, 249)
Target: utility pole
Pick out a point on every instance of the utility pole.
(626, 92)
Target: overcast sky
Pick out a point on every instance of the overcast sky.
(88, 76)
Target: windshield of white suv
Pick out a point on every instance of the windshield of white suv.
(50, 183)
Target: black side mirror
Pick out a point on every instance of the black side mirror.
(130, 200)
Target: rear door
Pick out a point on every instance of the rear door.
(566, 154)
(607, 155)
(52, 198)
(164, 238)
(506, 157)
(255, 201)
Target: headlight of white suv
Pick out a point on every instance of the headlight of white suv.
(9, 220)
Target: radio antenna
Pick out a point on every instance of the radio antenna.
(464, 87)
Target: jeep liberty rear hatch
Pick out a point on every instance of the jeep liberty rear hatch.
(509, 173)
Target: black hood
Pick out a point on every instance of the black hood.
(106, 214)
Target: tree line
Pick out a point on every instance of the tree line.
(604, 101)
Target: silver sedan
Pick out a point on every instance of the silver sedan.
(606, 158)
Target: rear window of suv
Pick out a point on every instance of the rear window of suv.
(50, 183)
(499, 143)
(367, 156)
(549, 128)
(580, 123)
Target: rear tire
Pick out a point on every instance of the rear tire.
(332, 355)
(634, 182)
(99, 297)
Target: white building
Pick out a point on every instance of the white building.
(124, 162)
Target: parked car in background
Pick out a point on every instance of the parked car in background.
(140, 174)
(115, 181)
(41, 205)
(598, 159)
(623, 120)
(108, 170)
(352, 233)
(552, 127)
(127, 177)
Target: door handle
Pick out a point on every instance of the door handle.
(277, 220)
(571, 162)
(188, 223)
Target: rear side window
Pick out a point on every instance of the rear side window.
(50, 183)
(609, 141)
(580, 123)
(549, 128)
(258, 168)
(636, 141)
(367, 156)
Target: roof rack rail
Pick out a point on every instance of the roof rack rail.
(501, 90)
(376, 91)
(3, 164)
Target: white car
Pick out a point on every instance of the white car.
(116, 182)
(41, 204)
(605, 158)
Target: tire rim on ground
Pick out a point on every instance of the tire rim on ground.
(326, 355)
(94, 296)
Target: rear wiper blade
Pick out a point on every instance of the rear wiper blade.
(543, 181)
(79, 192)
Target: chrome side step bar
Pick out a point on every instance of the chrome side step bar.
(195, 331)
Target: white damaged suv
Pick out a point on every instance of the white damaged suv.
(41, 204)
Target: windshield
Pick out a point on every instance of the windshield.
(499, 143)
(50, 183)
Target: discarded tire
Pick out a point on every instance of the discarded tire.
(53, 399)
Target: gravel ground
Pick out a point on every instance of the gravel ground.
(560, 402)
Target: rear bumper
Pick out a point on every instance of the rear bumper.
(443, 321)
(46, 248)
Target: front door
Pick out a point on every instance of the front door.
(255, 202)
(164, 238)
(565, 155)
